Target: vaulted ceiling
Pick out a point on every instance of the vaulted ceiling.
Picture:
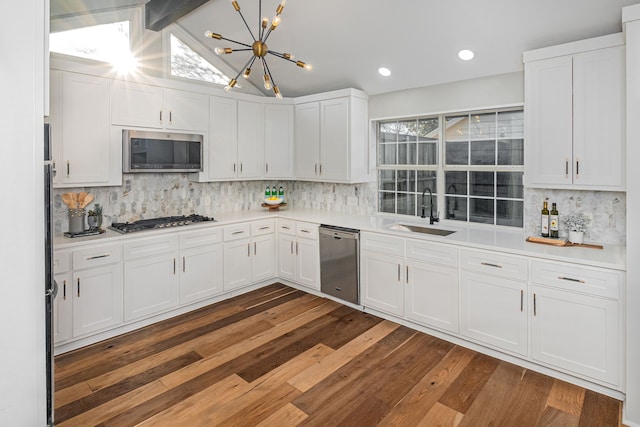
(418, 40)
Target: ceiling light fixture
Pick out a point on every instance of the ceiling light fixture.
(258, 47)
(385, 72)
(465, 55)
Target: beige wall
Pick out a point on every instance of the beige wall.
(487, 92)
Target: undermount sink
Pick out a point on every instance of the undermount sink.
(420, 229)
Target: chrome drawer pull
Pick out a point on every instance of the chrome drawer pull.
(488, 264)
(266, 227)
(98, 256)
(285, 227)
(305, 231)
(237, 232)
(571, 279)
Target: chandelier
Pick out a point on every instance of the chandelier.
(259, 48)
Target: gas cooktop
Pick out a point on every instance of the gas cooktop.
(163, 222)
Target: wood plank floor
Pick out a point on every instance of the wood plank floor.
(280, 357)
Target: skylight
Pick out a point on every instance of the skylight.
(188, 64)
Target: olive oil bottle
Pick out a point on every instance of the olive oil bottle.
(544, 220)
(553, 222)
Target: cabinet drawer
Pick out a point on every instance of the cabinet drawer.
(150, 246)
(96, 256)
(237, 231)
(286, 227)
(494, 263)
(195, 238)
(259, 228)
(605, 283)
(382, 244)
(61, 262)
(307, 230)
(432, 252)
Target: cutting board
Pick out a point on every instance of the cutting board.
(560, 242)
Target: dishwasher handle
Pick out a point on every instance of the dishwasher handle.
(338, 233)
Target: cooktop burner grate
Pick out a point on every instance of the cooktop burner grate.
(163, 222)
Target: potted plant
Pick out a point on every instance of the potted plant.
(577, 225)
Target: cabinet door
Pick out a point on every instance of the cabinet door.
(135, 104)
(250, 140)
(308, 251)
(63, 309)
(548, 121)
(263, 261)
(494, 311)
(278, 141)
(97, 299)
(237, 264)
(287, 258)
(223, 138)
(200, 273)
(187, 111)
(86, 126)
(578, 333)
(307, 140)
(431, 295)
(334, 139)
(382, 282)
(150, 285)
(598, 105)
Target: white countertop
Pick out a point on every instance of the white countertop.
(466, 235)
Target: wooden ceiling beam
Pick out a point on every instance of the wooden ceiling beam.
(161, 13)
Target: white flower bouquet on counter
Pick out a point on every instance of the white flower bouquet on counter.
(576, 222)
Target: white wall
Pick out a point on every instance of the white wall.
(22, 359)
(631, 17)
(485, 92)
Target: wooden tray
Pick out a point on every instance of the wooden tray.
(560, 242)
(273, 207)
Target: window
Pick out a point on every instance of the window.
(106, 42)
(188, 64)
(477, 177)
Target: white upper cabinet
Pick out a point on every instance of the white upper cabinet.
(142, 105)
(278, 141)
(83, 152)
(250, 140)
(331, 140)
(574, 96)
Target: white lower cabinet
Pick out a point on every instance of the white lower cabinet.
(151, 285)
(299, 253)
(576, 320)
(248, 259)
(493, 307)
(89, 291)
(200, 273)
(382, 282)
(493, 311)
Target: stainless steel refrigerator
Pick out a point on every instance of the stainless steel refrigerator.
(50, 286)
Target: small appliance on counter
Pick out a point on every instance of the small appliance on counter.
(162, 222)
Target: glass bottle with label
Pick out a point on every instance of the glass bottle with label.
(544, 220)
(554, 226)
(267, 192)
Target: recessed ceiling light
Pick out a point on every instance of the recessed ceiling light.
(465, 55)
(385, 72)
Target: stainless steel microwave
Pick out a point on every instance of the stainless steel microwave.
(153, 151)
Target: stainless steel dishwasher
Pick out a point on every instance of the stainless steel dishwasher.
(339, 262)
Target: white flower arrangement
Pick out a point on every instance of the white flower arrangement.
(576, 221)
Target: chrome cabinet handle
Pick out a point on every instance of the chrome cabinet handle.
(303, 230)
(534, 304)
(320, 168)
(407, 274)
(174, 266)
(566, 167)
(398, 272)
(170, 116)
(234, 168)
(160, 116)
(68, 168)
(571, 279)
(248, 249)
(255, 248)
(285, 227)
(488, 264)
(98, 256)
(240, 167)
(297, 249)
(266, 227)
(64, 290)
(78, 287)
(315, 169)
(266, 167)
(237, 232)
(577, 168)
(184, 264)
(292, 246)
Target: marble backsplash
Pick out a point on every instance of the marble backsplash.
(154, 195)
(606, 209)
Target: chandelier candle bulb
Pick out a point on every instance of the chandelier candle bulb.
(280, 7)
(236, 6)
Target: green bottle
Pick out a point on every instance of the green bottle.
(267, 192)
(281, 193)
(553, 222)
